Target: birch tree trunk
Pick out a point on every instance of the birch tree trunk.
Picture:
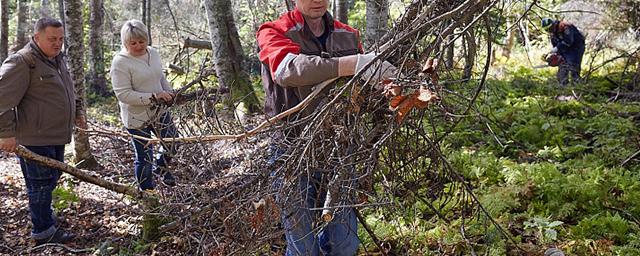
(4, 29)
(377, 17)
(21, 28)
(508, 39)
(341, 11)
(228, 54)
(96, 77)
(75, 48)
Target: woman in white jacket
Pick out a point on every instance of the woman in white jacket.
(138, 82)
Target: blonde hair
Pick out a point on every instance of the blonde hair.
(133, 29)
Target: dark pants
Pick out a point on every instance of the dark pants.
(41, 181)
(567, 70)
(572, 66)
(144, 162)
(338, 237)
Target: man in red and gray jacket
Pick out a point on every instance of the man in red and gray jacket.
(301, 49)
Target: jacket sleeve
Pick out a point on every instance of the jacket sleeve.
(166, 86)
(288, 67)
(121, 82)
(14, 82)
(164, 83)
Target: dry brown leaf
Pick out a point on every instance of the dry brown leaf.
(428, 66)
(424, 96)
(405, 107)
(396, 101)
(356, 99)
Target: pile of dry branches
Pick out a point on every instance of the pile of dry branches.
(375, 155)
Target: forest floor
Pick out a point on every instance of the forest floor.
(104, 222)
(100, 218)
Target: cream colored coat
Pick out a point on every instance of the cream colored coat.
(134, 81)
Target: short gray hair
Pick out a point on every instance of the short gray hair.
(44, 23)
(133, 29)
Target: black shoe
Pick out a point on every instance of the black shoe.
(168, 179)
(59, 237)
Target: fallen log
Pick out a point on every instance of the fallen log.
(82, 175)
(198, 44)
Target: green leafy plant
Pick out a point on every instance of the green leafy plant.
(543, 228)
(64, 196)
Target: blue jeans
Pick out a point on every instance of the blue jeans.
(40, 182)
(338, 237)
(144, 161)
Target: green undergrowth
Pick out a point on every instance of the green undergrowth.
(549, 164)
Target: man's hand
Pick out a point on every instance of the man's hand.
(385, 71)
(81, 122)
(8, 144)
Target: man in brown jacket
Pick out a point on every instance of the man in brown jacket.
(38, 108)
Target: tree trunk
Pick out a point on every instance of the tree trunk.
(524, 30)
(96, 78)
(75, 48)
(146, 16)
(377, 16)
(449, 53)
(290, 4)
(148, 19)
(22, 26)
(508, 40)
(470, 57)
(143, 9)
(44, 8)
(341, 11)
(61, 18)
(4, 29)
(228, 54)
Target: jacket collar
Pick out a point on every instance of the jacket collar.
(299, 19)
(37, 52)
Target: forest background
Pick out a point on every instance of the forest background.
(505, 162)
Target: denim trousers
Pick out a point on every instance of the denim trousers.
(144, 157)
(40, 182)
(338, 237)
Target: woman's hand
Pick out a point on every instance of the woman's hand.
(167, 97)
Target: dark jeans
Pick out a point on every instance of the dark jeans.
(338, 237)
(144, 162)
(567, 70)
(41, 181)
